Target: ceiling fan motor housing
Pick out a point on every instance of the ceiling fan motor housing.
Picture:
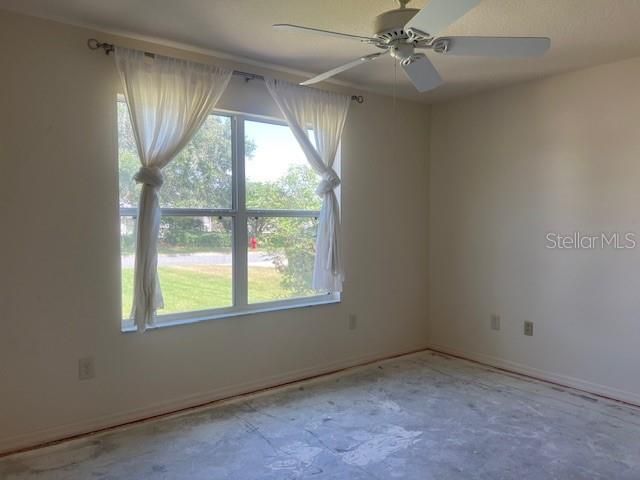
(389, 26)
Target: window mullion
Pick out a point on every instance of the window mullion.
(196, 212)
(240, 222)
(283, 213)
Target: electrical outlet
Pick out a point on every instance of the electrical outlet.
(495, 322)
(86, 369)
(353, 321)
(528, 329)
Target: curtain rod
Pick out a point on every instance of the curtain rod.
(94, 44)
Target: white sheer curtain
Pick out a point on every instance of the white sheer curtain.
(168, 101)
(324, 112)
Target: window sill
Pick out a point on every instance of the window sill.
(205, 316)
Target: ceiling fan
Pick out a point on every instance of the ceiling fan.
(401, 32)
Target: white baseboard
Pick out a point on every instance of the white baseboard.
(577, 383)
(61, 432)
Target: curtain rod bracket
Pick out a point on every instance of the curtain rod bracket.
(94, 44)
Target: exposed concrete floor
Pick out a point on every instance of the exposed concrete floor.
(423, 416)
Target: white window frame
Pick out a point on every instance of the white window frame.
(239, 215)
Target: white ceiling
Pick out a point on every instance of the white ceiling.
(582, 32)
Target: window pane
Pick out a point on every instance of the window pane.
(194, 263)
(280, 258)
(278, 175)
(199, 177)
(127, 159)
(127, 251)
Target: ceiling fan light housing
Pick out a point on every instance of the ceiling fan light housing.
(389, 26)
(403, 52)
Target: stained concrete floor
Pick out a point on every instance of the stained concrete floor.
(423, 416)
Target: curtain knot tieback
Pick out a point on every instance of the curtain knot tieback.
(329, 182)
(151, 176)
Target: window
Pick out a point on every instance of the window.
(239, 220)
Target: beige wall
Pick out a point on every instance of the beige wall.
(507, 167)
(60, 262)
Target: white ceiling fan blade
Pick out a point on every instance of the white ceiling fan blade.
(342, 68)
(439, 14)
(498, 46)
(298, 28)
(422, 74)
